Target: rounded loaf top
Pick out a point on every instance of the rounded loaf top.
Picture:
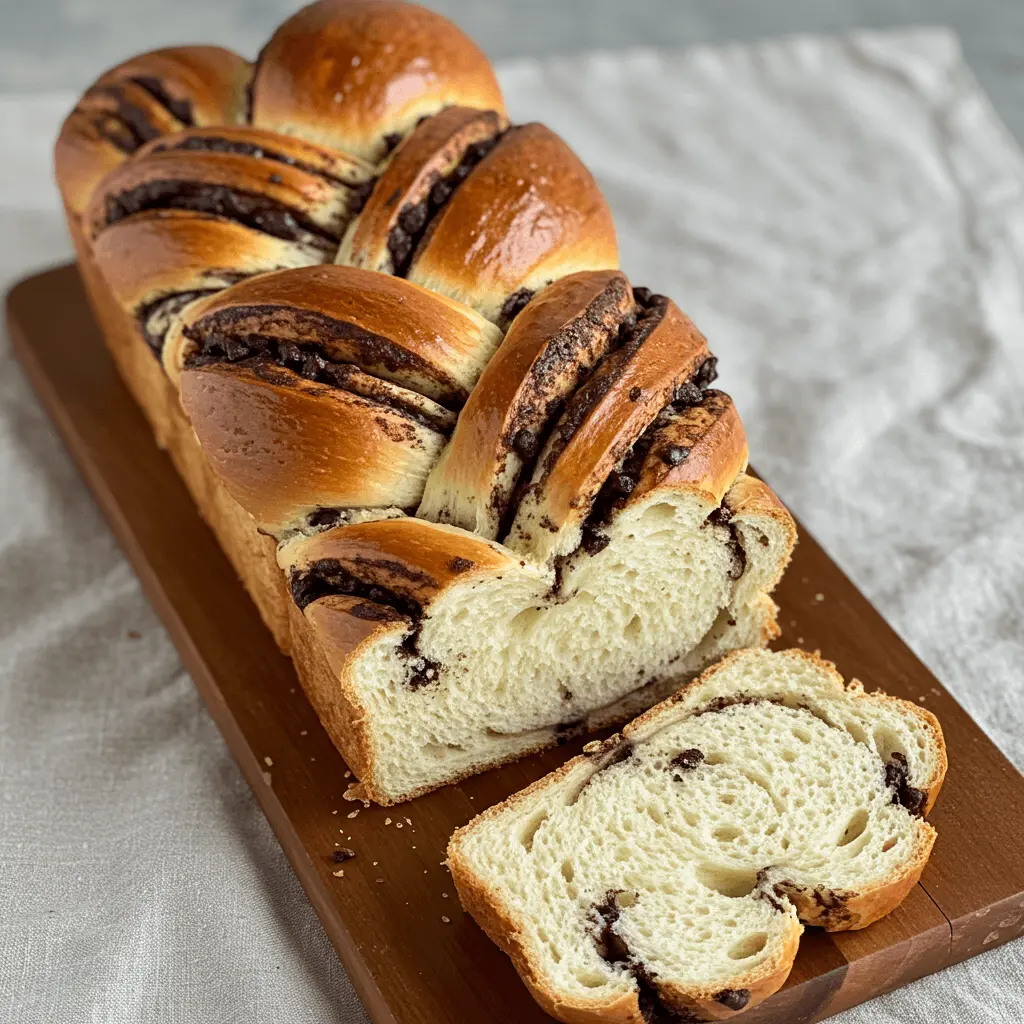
(357, 75)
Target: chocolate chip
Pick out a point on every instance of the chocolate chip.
(440, 192)
(342, 855)
(687, 760)
(611, 947)
(897, 778)
(324, 517)
(635, 393)
(733, 998)
(458, 564)
(413, 217)
(707, 373)
(674, 454)
(594, 541)
(514, 305)
(687, 394)
(621, 483)
(526, 443)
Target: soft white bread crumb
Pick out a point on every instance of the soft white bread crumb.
(521, 654)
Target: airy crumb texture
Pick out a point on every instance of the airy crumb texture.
(522, 655)
(672, 867)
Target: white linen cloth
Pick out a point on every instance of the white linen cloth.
(844, 219)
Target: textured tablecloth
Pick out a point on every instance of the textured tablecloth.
(845, 221)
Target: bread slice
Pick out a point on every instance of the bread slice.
(671, 868)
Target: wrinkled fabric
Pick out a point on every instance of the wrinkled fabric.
(843, 218)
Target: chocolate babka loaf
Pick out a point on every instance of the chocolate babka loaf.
(478, 484)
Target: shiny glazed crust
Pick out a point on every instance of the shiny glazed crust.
(210, 79)
(504, 231)
(384, 325)
(348, 73)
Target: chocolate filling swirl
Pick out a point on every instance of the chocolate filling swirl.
(415, 219)
(314, 363)
(327, 576)
(249, 208)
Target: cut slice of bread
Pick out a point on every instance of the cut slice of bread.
(669, 869)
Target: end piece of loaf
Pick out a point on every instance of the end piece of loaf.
(431, 653)
(671, 868)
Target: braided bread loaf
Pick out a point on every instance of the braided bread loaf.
(477, 484)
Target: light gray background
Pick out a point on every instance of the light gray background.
(49, 44)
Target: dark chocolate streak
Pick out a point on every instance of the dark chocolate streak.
(181, 109)
(309, 360)
(248, 208)
(722, 516)
(358, 193)
(117, 133)
(415, 219)
(613, 949)
(328, 576)
(621, 482)
(370, 349)
(137, 128)
(733, 998)
(513, 306)
(589, 390)
(391, 141)
(168, 305)
(897, 778)
(632, 334)
(561, 353)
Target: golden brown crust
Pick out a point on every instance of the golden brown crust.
(528, 214)
(94, 140)
(116, 115)
(382, 324)
(429, 153)
(852, 911)
(408, 556)
(166, 252)
(285, 447)
(548, 350)
(348, 73)
(251, 553)
(208, 81)
(326, 638)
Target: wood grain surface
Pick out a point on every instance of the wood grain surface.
(413, 955)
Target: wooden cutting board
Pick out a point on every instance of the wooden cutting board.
(393, 916)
